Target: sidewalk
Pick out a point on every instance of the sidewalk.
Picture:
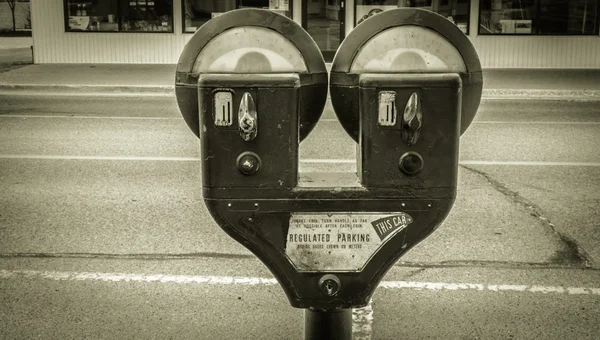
(159, 79)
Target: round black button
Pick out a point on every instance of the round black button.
(411, 162)
(248, 163)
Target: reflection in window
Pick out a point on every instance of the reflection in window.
(120, 15)
(456, 11)
(577, 17)
(198, 12)
(324, 25)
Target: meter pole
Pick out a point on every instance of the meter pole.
(328, 324)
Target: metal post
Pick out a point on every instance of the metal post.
(329, 324)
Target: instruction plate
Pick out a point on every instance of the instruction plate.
(339, 241)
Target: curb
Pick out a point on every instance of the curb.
(76, 89)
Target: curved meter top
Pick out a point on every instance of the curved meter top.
(250, 49)
(408, 48)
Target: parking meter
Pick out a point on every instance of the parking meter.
(252, 47)
(252, 84)
(409, 42)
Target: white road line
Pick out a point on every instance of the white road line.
(303, 161)
(530, 163)
(101, 158)
(117, 277)
(468, 162)
(88, 117)
(534, 122)
(255, 281)
(505, 122)
(135, 158)
(327, 120)
(332, 161)
(542, 98)
(42, 93)
(362, 325)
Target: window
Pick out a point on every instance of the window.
(553, 17)
(119, 15)
(456, 11)
(198, 12)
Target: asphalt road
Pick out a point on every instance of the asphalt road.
(103, 233)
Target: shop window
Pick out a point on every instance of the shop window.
(198, 12)
(456, 11)
(119, 15)
(540, 17)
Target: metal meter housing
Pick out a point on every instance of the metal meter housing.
(313, 78)
(443, 46)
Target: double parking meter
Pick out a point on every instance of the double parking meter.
(252, 84)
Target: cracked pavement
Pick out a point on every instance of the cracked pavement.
(572, 253)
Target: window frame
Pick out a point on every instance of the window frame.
(183, 31)
(117, 20)
(537, 9)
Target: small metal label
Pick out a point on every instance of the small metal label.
(223, 105)
(387, 108)
(339, 241)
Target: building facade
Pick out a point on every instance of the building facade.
(506, 33)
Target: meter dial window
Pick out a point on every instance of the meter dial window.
(250, 49)
(408, 48)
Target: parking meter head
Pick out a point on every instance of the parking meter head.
(251, 84)
(252, 42)
(400, 41)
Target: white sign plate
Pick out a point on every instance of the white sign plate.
(339, 241)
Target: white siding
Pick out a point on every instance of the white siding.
(538, 51)
(53, 45)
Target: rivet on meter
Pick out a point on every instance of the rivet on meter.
(248, 163)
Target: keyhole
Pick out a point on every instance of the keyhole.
(329, 286)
